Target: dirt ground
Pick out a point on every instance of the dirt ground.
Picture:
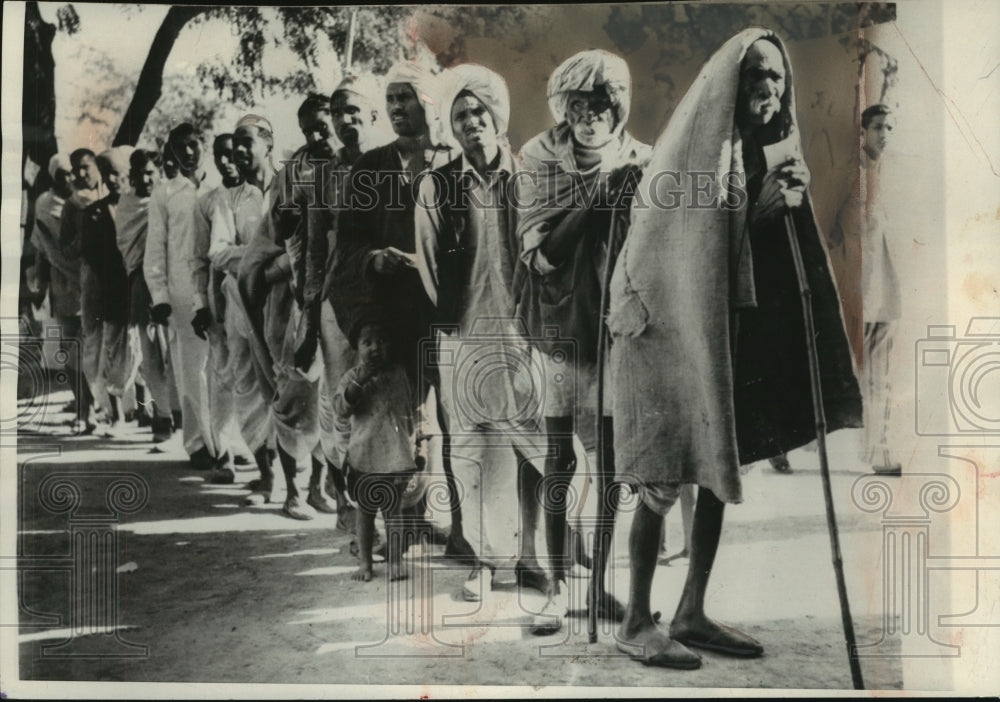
(219, 592)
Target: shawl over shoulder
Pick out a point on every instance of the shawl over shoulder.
(686, 408)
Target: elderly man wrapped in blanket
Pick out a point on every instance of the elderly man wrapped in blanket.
(709, 349)
(467, 257)
(575, 216)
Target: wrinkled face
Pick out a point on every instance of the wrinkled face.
(373, 346)
(762, 84)
(591, 115)
(86, 175)
(62, 183)
(317, 127)
(187, 151)
(145, 179)
(352, 119)
(877, 134)
(473, 124)
(406, 114)
(225, 161)
(250, 149)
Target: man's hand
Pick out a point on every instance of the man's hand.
(160, 313)
(201, 322)
(783, 186)
(630, 175)
(306, 351)
(390, 260)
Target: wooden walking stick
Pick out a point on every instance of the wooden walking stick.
(605, 510)
(824, 467)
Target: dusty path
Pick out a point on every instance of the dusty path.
(224, 593)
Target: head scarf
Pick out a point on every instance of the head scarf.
(427, 86)
(59, 162)
(486, 85)
(587, 71)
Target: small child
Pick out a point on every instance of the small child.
(375, 398)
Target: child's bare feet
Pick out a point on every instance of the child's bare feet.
(397, 572)
(362, 574)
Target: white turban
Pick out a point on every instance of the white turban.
(428, 88)
(59, 162)
(587, 71)
(488, 86)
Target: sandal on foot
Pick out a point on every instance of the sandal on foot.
(724, 640)
(294, 510)
(531, 577)
(550, 619)
(319, 503)
(222, 476)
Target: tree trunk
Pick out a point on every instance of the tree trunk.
(38, 102)
(150, 85)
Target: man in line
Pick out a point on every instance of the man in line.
(709, 357)
(110, 360)
(59, 271)
(169, 243)
(131, 225)
(566, 240)
(236, 215)
(467, 256)
(373, 262)
(352, 116)
(209, 319)
(88, 188)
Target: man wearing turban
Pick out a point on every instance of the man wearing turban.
(709, 355)
(374, 267)
(467, 257)
(574, 217)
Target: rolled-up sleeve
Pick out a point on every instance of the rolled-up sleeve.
(154, 265)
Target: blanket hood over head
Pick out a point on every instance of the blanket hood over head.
(700, 390)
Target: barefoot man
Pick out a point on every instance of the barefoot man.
(709, 354)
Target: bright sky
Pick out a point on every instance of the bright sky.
(124, 35)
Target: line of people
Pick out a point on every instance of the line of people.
(330, 309)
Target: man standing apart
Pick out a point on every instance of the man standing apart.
(709, 355)
(861, 232)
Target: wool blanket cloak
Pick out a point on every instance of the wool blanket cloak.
(694, 400)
